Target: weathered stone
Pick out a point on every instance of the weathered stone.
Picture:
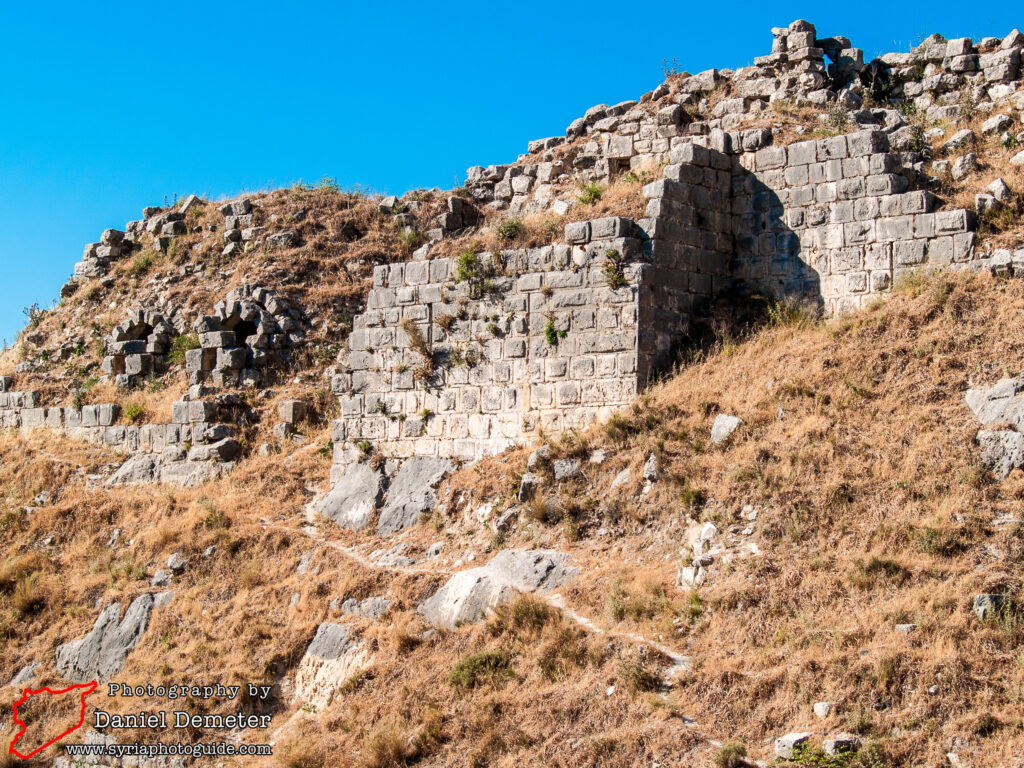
(412, 492)
(651, 468)
(354, 499)
(987, 606)
(565, 469)
(102, 652)
(332, 658)
(1002, 451)
(370, 608)
(468, 595)
(528, 486)
(841, 743)
(723, 427)
(786, 746)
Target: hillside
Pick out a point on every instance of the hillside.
(658, 446)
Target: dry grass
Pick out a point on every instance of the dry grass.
(873, 512)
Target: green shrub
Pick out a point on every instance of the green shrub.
(485, 668)
(590, 193)
(180, 345)
(477, 273)
(731, 755)
(141, 264)
(509, 229)
(552, 334)
(133, 411)
(613, 270)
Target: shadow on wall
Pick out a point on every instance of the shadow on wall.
(770, 258)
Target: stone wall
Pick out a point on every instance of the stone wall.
(189, 450)
(462, 364)
(547, 341)
(831, 221)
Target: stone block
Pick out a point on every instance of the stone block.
(578, 232)
(291, 411)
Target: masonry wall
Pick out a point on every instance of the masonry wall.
(832, 221)
(190, 449)
(553, 345)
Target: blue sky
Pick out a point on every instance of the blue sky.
(108, 107)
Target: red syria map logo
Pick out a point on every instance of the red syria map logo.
(85, 688)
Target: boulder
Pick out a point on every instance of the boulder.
(723, 427)
(959, 140)
(334, 656)
(1002, 451)
(841, 743)
(538, 457)
(103, 651)
(528, 486)
(566, 469)
(177, 562)
(1000, 191)
(144, 468)
(786, 746)
(468, 595)
(822, 709)
(651, 468)
(986, 606)
(996, 124)
(370, 608)
(354, 499)
(620, 479)
(964, 166)
(25, 675)
(412, 492)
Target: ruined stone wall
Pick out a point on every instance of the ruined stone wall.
(192, 448)
(831, 221)
(549, 342)
(688, 251)
(561, 336)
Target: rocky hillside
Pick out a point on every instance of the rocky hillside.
(739, 367)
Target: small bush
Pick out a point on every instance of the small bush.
(141, 264)
(134, 411)
(445, 322)
(477, 669)
(180, 345)
(408, 241)
(590, 193)
(731, 755)
(551, 334)
(509, 229)
(417, 343)
(613, 270)
(29, 596)
(528, 613)
(387, 748)
(477, 273)
(565, 651)
(638, 678)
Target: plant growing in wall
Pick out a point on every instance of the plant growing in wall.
(551, 333)
(614, 269)
(477, 273)
(417, 343)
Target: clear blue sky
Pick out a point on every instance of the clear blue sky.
(106, 107)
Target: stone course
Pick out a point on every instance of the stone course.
(191, 449)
